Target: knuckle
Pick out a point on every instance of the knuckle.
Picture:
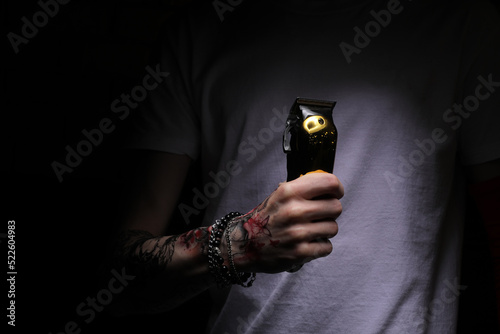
(303, 251)
(306, 210)
(285, 191)
(298, 234)
(322, 249)
(313, 250)
(294, 211)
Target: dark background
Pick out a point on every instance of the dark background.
(62, 82)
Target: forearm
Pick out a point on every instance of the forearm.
(290, 227)
(167, 270)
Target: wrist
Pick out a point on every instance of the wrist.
(221, 254)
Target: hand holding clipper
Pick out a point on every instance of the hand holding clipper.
(295, 223)
(309, 140)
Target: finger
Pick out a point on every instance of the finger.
(322, 230)
(309, 251)
(312, 232)
(316, 185)
(313, 210)
(322, 209)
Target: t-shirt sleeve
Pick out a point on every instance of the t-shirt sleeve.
(479, 135)
(167, 120)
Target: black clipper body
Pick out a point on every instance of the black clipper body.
(310, 137)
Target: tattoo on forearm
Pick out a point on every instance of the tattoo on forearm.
(196, 238)
(253, 233)
(147, 256)
(144, 254)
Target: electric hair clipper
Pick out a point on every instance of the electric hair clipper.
(310, 138)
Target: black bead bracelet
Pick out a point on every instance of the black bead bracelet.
(223, 275)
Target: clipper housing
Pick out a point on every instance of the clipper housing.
(310, 137)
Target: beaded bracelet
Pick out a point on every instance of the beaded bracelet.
(215, 261)
(222, 274)
(239, 277)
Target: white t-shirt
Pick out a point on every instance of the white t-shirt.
(417, 85)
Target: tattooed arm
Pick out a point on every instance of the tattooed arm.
(290, 227)
(166, 269)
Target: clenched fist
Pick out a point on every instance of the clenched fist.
(290, 227)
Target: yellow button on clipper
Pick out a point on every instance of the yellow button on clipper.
(314, 124)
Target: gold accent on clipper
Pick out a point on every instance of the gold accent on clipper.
(314, 124)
